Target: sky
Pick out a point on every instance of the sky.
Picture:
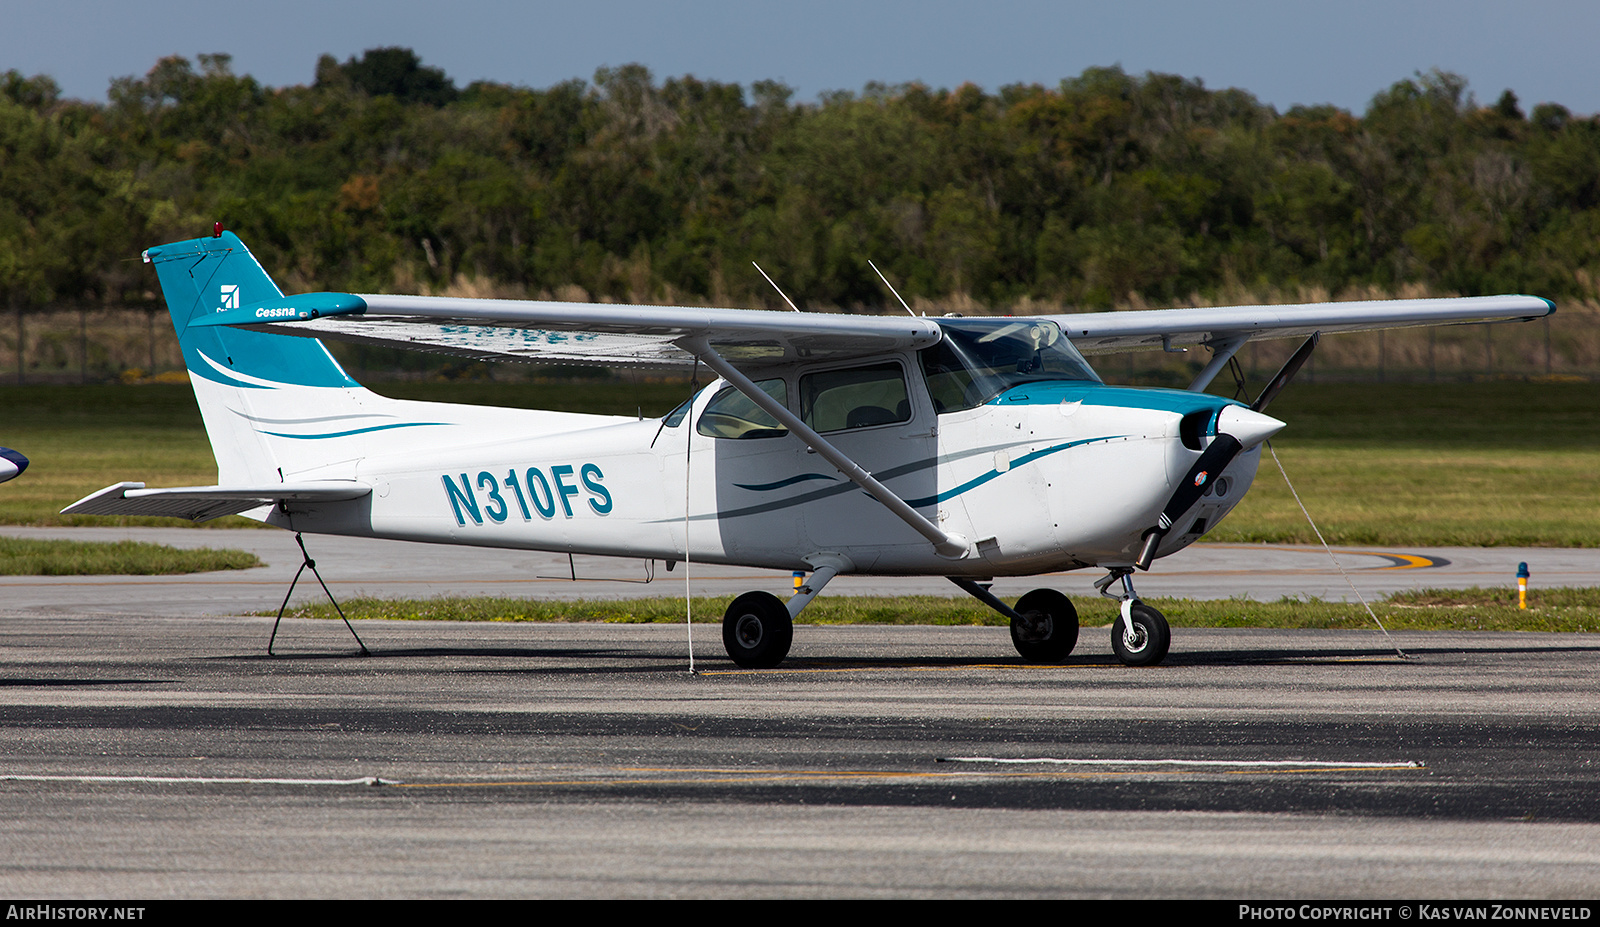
(1285, 52)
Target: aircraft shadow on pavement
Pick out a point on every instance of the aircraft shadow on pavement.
(412, 652)
(653, 659)
(542, 661)
(1365, 655)
(26, 682)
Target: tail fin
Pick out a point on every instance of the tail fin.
(252, 387)
(206, 275)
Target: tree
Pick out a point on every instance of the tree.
(398, 72)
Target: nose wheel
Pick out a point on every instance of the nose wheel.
(1140, 635)
(1142, 638)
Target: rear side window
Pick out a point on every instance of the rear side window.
(856, 397)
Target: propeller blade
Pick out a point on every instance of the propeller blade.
(1213, 461)
(1236, 429)
(1286, 373)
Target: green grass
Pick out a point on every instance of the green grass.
(1475, 464)
(26, 557)
(1462, 464)
(1431, 610)
(1421, 496)
(80, 439)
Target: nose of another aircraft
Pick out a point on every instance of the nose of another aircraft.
(1249, 428)
(11, 464)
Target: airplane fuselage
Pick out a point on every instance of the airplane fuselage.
(1049, 475)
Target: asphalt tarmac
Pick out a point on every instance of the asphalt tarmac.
(150, 749)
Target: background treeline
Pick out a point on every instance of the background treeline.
(1108, 190)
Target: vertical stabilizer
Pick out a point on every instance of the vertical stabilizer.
(252, 387)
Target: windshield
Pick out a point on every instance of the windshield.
(978, 359)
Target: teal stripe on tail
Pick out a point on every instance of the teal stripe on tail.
(207, 275)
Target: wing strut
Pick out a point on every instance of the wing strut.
(949, 545)
(1222, 351)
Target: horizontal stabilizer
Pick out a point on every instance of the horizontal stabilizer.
(203, 503)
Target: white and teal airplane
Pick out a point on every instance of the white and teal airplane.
(968, 448)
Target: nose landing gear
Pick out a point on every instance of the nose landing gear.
(1139, 636)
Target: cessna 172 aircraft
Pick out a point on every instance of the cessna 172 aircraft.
(967, 448)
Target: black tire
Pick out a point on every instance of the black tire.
(1151, 637)
(757, 630)
(1051, 630)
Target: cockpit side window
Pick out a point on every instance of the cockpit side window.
(731, 414)
(675, 418)
(855, 397)
(951, 383)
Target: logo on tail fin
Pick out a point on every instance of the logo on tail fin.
(230, 296)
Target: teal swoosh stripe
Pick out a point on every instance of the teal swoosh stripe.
(1024, 460)
(764, 487)
(834, 490)
(884, 477)
(357, 431)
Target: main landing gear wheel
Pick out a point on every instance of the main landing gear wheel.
(757, 630)
(1049, 629)
(1146, 643)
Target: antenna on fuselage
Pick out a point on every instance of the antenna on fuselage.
(890, 286)
(776, 287)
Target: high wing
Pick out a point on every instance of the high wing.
(653, 336)
(583, 333)
(1111, 332)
